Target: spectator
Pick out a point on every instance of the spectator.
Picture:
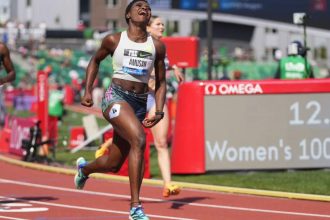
(237, 75)
(56, 103)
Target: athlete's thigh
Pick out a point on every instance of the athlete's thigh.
(122, 117)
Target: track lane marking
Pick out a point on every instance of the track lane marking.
(93, 209)
(11, 218)
(104, 194)
(225, 189)
(166, 201)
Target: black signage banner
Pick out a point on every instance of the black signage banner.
(317, 10)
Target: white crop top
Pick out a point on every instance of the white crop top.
(133, 61)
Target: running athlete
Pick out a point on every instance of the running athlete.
(135, 54)
(156, 29)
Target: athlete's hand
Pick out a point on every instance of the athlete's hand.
(87, 100)
(178, 74)
(152, 121)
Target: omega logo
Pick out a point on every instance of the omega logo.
(227, 89)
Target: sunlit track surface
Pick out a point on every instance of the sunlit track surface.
(32, 194)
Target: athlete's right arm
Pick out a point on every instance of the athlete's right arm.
(107, 47)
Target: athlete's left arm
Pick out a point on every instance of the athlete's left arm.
(7, 63)
(160, 74)
(160, 88)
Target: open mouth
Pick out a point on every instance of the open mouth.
(142, 12)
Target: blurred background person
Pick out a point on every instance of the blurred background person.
(56, 104)
(156, 28)
(295, 65)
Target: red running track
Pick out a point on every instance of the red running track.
(33, 194)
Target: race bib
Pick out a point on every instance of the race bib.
(137, 62)
(114, 111)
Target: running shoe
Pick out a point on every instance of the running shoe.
(102, 150)
(171, 190)
(137, 213)
(80, 179)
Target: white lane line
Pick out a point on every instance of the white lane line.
(11, 218)
(17, 204)
(104, 194)
(24, 210)
(93, 209)
(10, 205)
(167, 201)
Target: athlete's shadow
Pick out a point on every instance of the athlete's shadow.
(178, 203)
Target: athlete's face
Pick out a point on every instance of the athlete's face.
(156, 28)
(140, 12)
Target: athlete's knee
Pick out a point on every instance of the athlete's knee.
(116, 168)
(111, 169)
(109, 165)
(161, 143)
(139, 141)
